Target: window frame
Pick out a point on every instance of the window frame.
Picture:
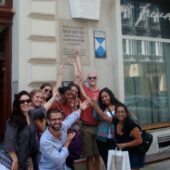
(7, 5)
(161, 40)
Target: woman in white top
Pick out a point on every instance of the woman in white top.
(105, 132)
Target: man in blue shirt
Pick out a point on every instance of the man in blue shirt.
(54, 141)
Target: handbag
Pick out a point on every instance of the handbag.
(104, 127)
(5, 161)
(147, 139)
(118, 160)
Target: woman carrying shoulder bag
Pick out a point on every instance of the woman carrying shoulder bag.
(128, 136)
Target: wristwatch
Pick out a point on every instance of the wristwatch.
(79, 107)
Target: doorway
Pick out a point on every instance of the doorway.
(5, 76)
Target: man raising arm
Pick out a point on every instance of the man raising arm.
(54, 142)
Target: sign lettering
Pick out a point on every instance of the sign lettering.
(145, 12)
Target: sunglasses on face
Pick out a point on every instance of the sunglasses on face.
(47, 90)
(25, 101)
(92, 78)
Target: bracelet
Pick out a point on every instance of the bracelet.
(80, 109)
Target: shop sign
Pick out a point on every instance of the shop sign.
(145, 12)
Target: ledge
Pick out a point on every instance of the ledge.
(156, 126)
(157, 157)
(6, 16)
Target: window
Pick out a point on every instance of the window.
(6, 4)
(145, 82)
(146, 50)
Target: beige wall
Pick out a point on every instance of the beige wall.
(39, 43)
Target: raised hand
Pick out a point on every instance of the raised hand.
(77, 52)
(72, 61)
(78, 61)
(61, 69)
(92, 102)
(84, 105)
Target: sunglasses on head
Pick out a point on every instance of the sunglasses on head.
(25, 101)
(92, 78)
(47, 90)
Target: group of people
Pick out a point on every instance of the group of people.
(43, 125)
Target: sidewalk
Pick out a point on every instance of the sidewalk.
(163, 165)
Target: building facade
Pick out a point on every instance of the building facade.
(126, 42)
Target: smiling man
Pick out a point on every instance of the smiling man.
(55, 141)
(89, 123)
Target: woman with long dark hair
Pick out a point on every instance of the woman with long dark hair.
(105, 131)
(47, 90)
(20, 134)
(76, 95)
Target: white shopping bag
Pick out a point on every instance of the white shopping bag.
(118, 160)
